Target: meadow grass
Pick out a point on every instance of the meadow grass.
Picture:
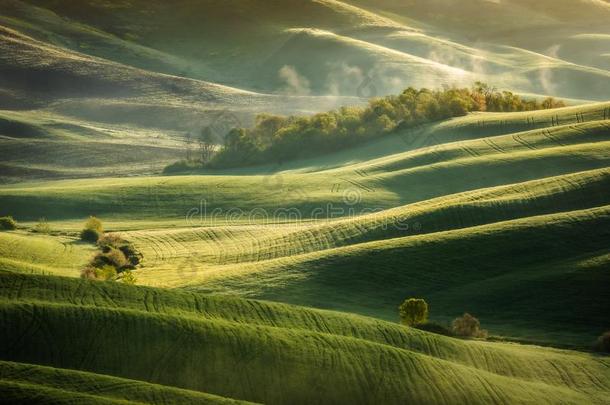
(267, 352)
(503, 215)
(497, 194)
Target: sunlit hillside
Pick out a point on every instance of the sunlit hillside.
(305, 202)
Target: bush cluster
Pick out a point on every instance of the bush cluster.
(182, 166)
(468, 326)
(7, 223)
(116, 259)
(414, 312)
(277, 138)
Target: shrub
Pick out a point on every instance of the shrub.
(110, 240)
(127, 277)
(92, 231)
(468, 326)
(603, 343)
(89, 272)
(95, 224)
(114, 241)
(116, 258)
(42, 226)
(433, 327)
(90, 235)
(131, 254)
(7, 223)
(413, 311)
(182, 166)
(106, 273)
(114, 262)
(113, 257)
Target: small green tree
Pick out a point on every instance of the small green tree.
(413, 311)
(106, 273)
(114, 257)
(89, 235)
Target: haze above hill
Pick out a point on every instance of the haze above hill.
(130, 78)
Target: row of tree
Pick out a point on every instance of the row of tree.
(279, 138)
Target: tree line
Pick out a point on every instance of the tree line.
(275, 139)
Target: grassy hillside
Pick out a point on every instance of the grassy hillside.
(395, 179)
(27, 252)
(29, 383)
(94, 117)
(361, 229)
(280, 283)
(393, 43)
(131, 78)
(302, 355)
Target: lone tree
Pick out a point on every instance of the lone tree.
(413, 311)
(206, 144)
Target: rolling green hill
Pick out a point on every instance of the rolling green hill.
(95, 117)
(29, 383)
(257, 351)
(361, 229)
(280, 283)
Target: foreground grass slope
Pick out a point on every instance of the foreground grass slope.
(499, 272)
(29, 383)
(263, 352)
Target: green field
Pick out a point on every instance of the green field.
(511, 209)
(280, 283)
(257, 351)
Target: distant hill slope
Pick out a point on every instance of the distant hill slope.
(93, 117)
(131, 337)
(133, 78)
(334, 46)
